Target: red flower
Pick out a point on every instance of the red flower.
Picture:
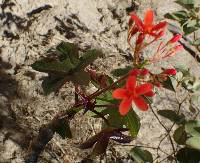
(133, 92)
(170, 71)
(147, 27)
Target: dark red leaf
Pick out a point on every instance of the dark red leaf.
(90, 142)
(121, 138)
(101, 146)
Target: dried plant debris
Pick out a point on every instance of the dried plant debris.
(39, 10)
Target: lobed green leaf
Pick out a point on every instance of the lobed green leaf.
(193, 142)
(180, 135)
(132, 122)
(121, 71)
(187, 155)
(172, 116)
(190, 127)
(141, 156)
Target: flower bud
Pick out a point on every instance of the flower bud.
(170, 71)
(176, 38)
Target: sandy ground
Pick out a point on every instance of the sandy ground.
(25, 37)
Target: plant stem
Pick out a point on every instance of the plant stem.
(95, 94)
(168, 133)
(92, 96)
(107, 106)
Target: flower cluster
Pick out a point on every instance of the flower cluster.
(140, 81)
(146, 28)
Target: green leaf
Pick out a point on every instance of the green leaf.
(105, 98)
(168, 84)
(89, 57)
(193, 142)
(185, 2)
(190, 127)
(188, 4)
(52, 83)
(141, 156)
(60, 61)
(188, 29)
(114, 117)
(132, 122)
(64, 129)
(173, 116)
(194, 98)
(178, 15)
(196, 86)
(65, 65)
(45, 65)
(180, 135)
(80, 77)
(187, 155)
(197, 129)
(68, 50)
(183, 69)
(121, 71)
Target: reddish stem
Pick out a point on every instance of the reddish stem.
(95, 94)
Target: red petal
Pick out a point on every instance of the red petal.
(137, 21)
(150, 94)
(148, 20)
(131, 83)
(134, 30)
(125, 106)
(157, 35)
(140, 103)
(143, 88)
(140, 39)
(159, 26)
(120, 93)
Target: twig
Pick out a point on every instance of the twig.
(168, 132)
(109, 87)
